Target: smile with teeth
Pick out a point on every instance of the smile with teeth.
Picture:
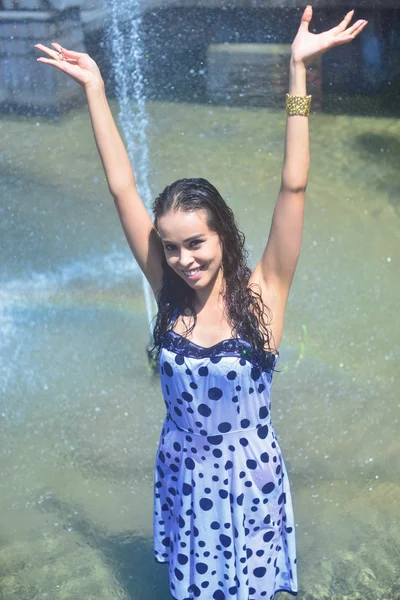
(193, 272)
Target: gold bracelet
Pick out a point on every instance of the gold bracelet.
(298, 105)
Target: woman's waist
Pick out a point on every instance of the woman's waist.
(262, 428)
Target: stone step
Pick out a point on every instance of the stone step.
(254, 75)
(25, 83)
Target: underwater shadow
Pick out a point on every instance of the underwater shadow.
(129, 554)
(383, 150)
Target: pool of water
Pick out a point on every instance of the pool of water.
(80, 411)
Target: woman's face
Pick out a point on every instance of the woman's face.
(191, 249)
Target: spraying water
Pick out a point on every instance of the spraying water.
(125, 40)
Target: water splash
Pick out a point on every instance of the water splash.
(125, 40)
(19, 296)
(101, 270)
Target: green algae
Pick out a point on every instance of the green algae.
(87, 438)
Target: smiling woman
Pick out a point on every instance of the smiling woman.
(191, 255)
(205, 254)
(223, 516)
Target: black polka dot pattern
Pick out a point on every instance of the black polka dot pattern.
(223, 516)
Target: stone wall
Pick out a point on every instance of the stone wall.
(45, 5)
(25, 84)
(254, 75)
(283, 4)
(28, 85)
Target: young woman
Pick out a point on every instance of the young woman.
(223, 516)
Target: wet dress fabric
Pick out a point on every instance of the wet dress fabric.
(223, 516)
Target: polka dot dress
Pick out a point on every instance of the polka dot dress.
(223, 516)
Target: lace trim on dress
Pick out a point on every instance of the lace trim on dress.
(233, 347)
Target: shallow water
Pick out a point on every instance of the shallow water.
(80, 410)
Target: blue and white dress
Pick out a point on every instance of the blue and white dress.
(223, 516)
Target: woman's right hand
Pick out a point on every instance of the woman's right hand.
(77, 65)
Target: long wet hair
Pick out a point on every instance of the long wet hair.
(247, 315)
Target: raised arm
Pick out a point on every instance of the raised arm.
(275, 270)
(135, 219)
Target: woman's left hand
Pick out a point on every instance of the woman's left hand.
(308, 46)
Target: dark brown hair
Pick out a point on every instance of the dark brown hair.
(247, 314)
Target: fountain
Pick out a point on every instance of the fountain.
(127, 52)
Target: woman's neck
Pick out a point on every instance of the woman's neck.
(212, 297)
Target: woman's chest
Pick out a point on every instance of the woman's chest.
(206, 332)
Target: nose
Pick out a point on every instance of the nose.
(185, 258)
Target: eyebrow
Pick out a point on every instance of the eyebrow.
(189, 239)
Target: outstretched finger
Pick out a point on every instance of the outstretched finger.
(344, 24)
(54, 54)
(355, 27)
(67, 53)
(348, 36)
(59, 64)
(306, 18)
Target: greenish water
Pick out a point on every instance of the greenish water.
(80, 411)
